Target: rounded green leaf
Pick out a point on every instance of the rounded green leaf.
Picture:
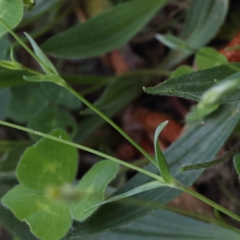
(48, 163)
(11, 12)
(92, 187)
(48, 219)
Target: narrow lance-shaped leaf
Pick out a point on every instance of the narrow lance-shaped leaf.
(161, 160)
(44, 62)
(193, 85)
(105, 32)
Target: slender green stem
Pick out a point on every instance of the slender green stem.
(83, 148)
(209, 202)
(107, 119)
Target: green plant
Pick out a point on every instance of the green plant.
(48, 198)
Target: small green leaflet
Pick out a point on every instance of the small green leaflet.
(44, 62)
(161, 160)
(44, 198)
(182, 70)
(48, 163)
(92, 186)
(11, 13)
(208, 57)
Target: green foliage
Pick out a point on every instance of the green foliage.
(200, 140)
(209, 57)
(48, 197)
(198, 28)
(52, 118)
(44, 62)
(160, 159)
(42, 108)
(162, 224)
(193, 85)
(90, 39)
(54, 164)
(11, 14)
(44, 194)
(182, 70)
(92, 187)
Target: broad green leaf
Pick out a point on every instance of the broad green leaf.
(203, 21)
(5, 96)
(28, 101)
(160, 158)
(166, 225)
(48, 163)
(92, 187)
(137, 190)
(237, 163)
(11, 12)
(208, 57)
(44, 62)
(105, 32)
(52, 118)
(182, 70)
(193, 85)
(201, 143)
(48, 219)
